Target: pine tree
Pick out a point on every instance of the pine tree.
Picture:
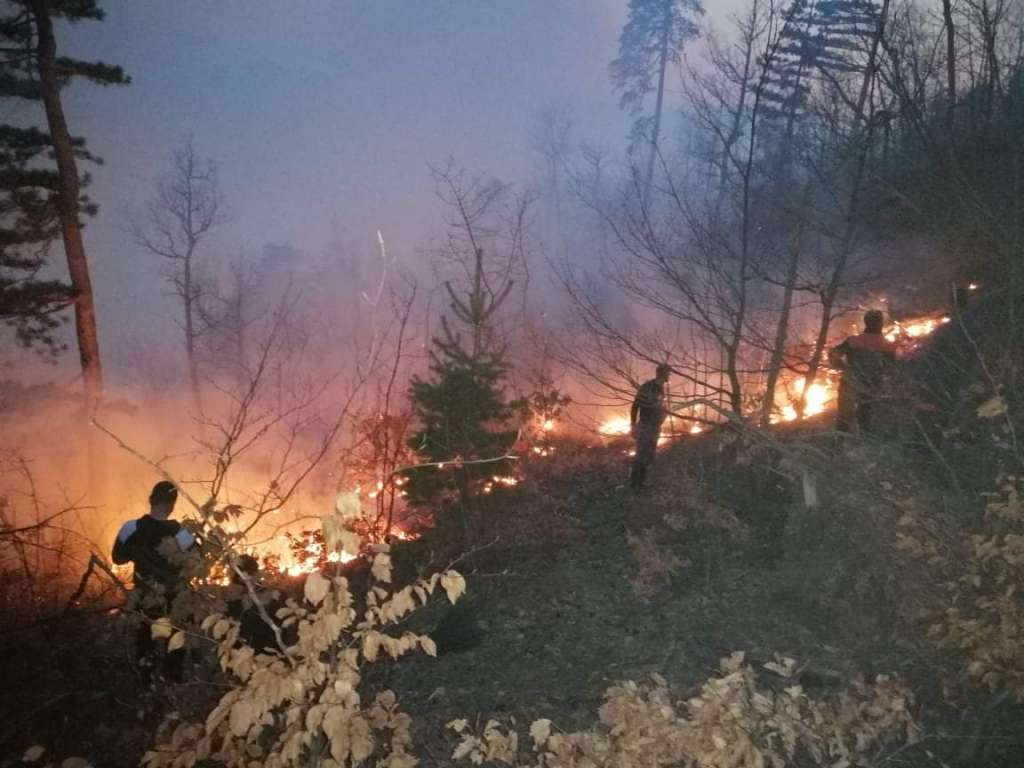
(461, 409)
(820, 40)
(40, 168)
(653, 37)
(28, 304)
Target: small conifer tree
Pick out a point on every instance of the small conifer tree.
(462, 411)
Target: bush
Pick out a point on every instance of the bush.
(978, 614)
(300, 704)
(732, 722)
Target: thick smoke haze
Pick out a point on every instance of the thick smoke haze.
(323, 119)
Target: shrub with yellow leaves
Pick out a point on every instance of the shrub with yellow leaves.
(732, 723)
(979, 614)
(300, 704)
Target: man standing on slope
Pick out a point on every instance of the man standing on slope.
(865, 361)
(150, 543)
(648, 413)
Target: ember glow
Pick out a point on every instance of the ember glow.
(915, 328)
(308, 559)
(615, 426)
(820, 398)
(506, 481)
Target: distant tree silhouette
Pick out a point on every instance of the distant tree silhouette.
(188, 204)
(653, 37)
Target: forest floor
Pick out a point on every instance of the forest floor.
(557, 631)
(552, 627)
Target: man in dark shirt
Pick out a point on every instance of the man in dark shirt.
(865, 360)
(149, 543)
(645, 418)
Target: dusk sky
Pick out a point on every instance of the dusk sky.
(324, 115)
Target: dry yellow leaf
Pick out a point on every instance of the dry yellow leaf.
(381, 568)
(316, 588)
(33, 753)
(992, 408)
(454, 585)
(160, 628)
(348, 505)
(540, 731)
(428, 645)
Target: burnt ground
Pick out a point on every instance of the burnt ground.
(552, 616)
(556, 631)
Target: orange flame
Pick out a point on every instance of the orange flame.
(615, 426)
(820, 398)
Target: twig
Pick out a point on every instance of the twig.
(456, 462)
(148, 462)
(247, 580)
(94, 562)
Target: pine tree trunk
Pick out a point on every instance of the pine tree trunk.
(71, 228)
(656, 130)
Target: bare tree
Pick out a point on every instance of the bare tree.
(228, 312)
(188, 204)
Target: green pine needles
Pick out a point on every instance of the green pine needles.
(466, 422)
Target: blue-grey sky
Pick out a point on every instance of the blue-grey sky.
(323, 115)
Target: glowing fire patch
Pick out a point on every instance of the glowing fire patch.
(295, 565)
(500, 480)
(615, 426)
(820, 397)
(915, 328)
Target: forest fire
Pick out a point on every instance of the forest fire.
(499, 481)
(906, 332)
(616, 426)
(309, 559)
(820, 398)
(297, 555)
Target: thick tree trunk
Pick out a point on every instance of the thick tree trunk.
(68, 201)
(656, 129)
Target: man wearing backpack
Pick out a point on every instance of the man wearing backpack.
(151, 543)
